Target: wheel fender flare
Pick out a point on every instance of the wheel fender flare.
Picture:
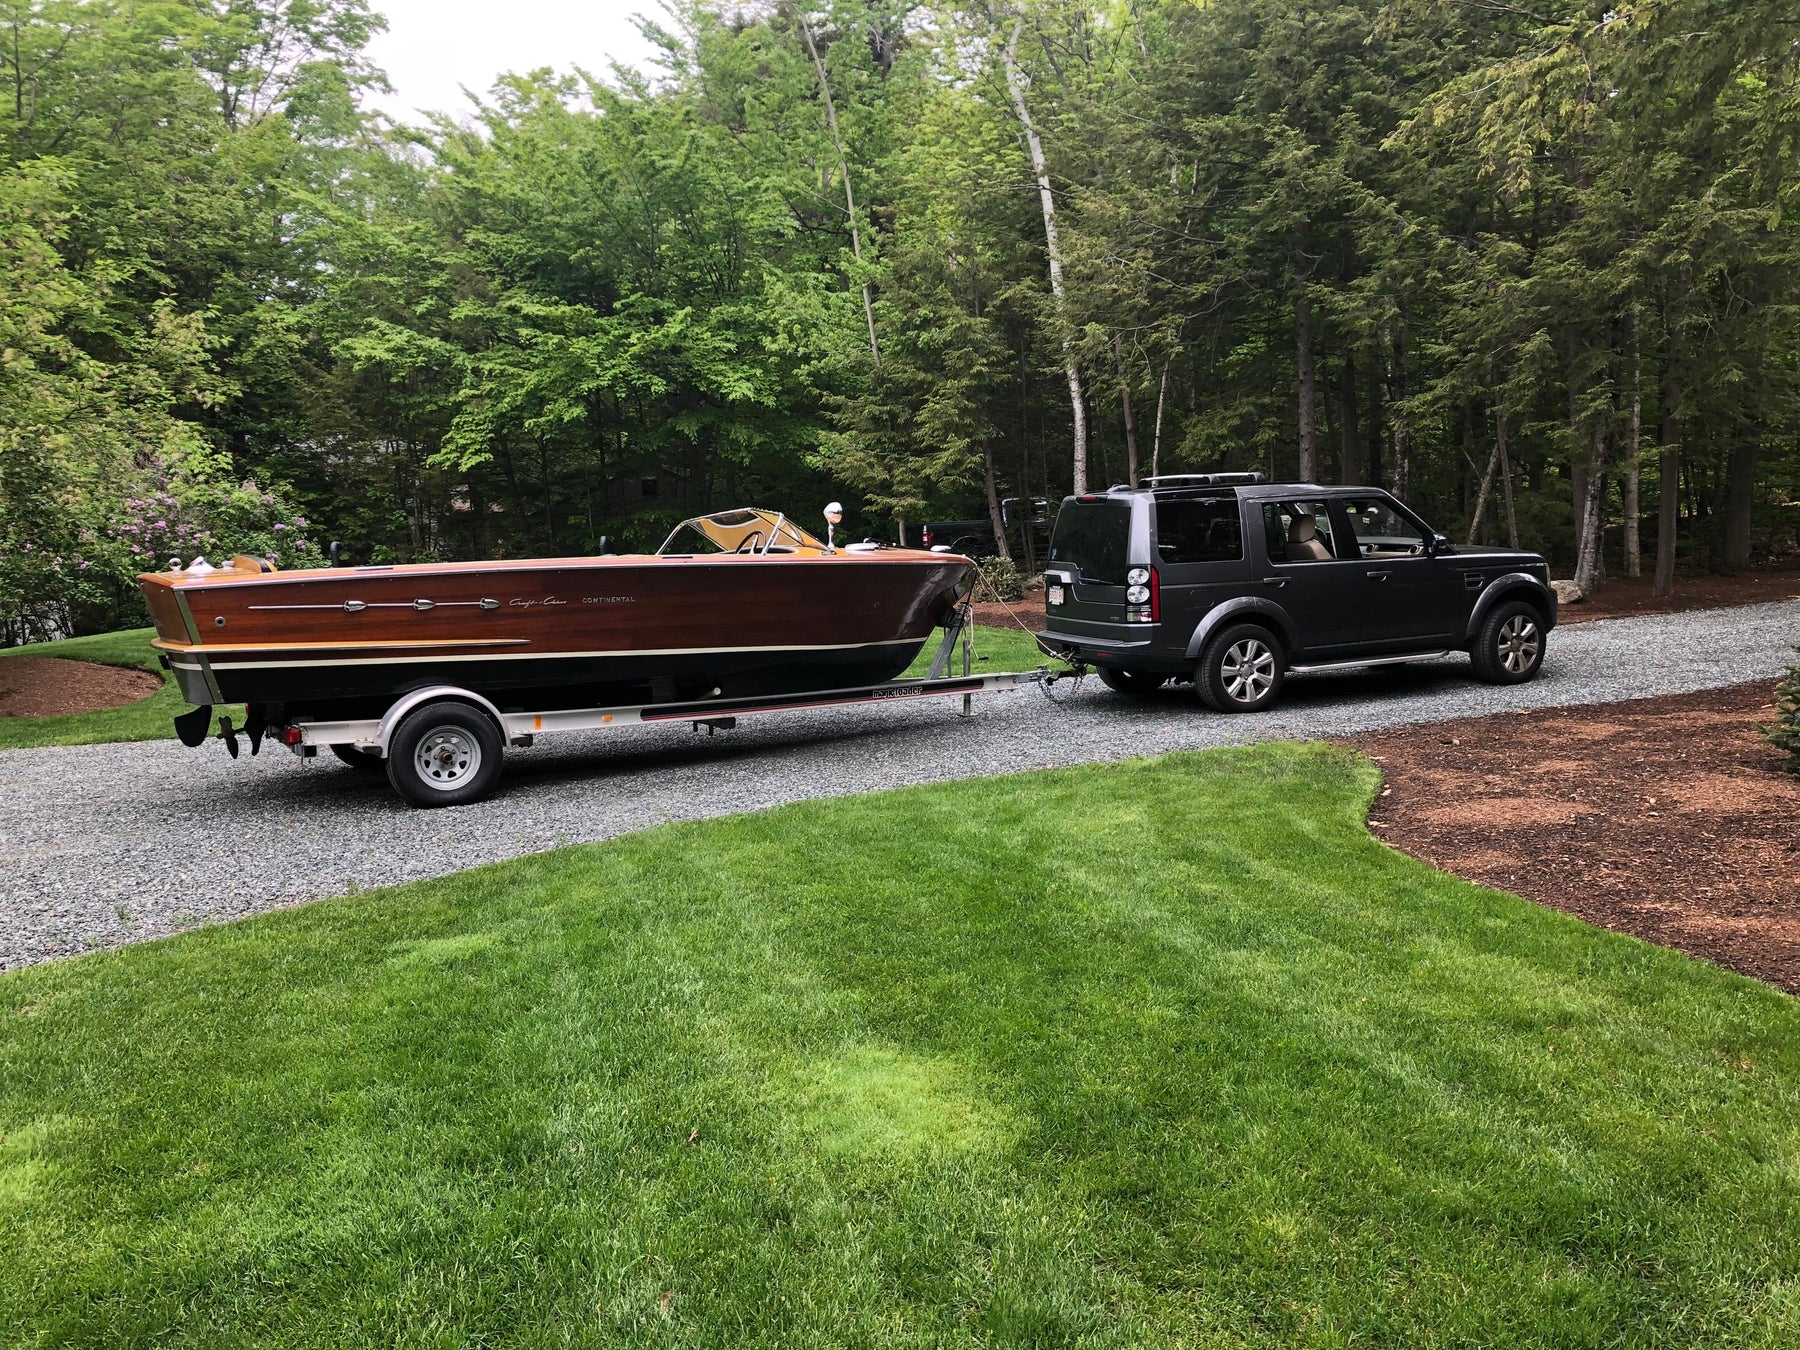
(1243, 607)
(394, 716)
(1512, 585)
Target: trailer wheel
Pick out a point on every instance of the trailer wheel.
(363, 761)
(444, 754)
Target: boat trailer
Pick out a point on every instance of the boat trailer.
(442, 745)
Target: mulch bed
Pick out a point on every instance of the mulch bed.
(44, 686)
(1624, 596)
(1667, 818)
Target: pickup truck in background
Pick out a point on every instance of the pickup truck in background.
(975, 538)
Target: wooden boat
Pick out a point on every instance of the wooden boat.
(736, 603)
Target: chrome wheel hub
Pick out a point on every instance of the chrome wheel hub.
(447, 758)
(1248, 670)
(1520, 644)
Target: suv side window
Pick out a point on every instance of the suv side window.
(1380, 531)
(1199, 531)
(1299, 532)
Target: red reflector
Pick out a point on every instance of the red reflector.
(1155, 597)
(290, 735)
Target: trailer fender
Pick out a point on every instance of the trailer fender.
(392, 718)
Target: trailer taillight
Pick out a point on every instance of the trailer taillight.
(291, 735)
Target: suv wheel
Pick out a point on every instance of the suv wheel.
(1132, 681)
(1241, 670)
(1509, 648)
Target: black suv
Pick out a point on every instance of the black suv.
(1235, 582)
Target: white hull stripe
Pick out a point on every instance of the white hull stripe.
(221, 664)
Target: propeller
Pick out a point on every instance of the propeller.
(228, 734)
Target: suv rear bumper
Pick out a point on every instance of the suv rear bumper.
(1099, 651)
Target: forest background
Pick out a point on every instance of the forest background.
(1530, 266)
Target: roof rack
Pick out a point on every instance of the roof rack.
(1202, 479)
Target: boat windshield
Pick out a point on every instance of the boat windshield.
(744, 531)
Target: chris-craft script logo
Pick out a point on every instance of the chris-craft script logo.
(535, 602)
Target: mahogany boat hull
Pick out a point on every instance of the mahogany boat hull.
(552, 633)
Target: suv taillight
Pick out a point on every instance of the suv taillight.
(1143, 596)
(925, 536)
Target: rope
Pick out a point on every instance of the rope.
(1011, 613)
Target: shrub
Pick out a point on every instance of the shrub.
(1001, 579)
(74, 571)
(1785, 733)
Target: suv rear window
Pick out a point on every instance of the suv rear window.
(1093, 538)
(1199, 531)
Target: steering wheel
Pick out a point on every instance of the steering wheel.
(751, 540)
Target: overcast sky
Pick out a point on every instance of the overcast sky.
(432, 47)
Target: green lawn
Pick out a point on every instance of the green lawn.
(146, 720)
(996, 649)
(1167, 1053)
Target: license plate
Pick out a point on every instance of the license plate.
(1056, 595)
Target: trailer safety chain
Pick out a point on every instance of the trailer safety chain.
(1077, 671)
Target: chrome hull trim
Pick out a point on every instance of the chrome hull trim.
(554, 656)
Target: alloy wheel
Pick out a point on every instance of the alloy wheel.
(1247, 670)
(1519, 644)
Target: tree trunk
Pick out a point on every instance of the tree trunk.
(1487, 482)
(1162, 394)
(1377, 431)
(1349, 448)
(1131, 445)
(1512, 519)
(1015, 84)
(843, 160)
(996, 516)
(1589, 490)
(1634, 563)
(1402, 459)
(1309, 388)
(1668, 464)
(1740, 501)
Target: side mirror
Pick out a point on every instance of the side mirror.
(1440, 543)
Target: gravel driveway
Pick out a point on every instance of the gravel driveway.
(108, 844)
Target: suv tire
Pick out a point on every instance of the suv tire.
(1241, 670)
(1132, 681)
(444, 754)
(1509, 645)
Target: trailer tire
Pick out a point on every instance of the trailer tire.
(444, 753)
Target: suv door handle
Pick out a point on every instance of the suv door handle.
(1379, 576)
(1275, 581)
